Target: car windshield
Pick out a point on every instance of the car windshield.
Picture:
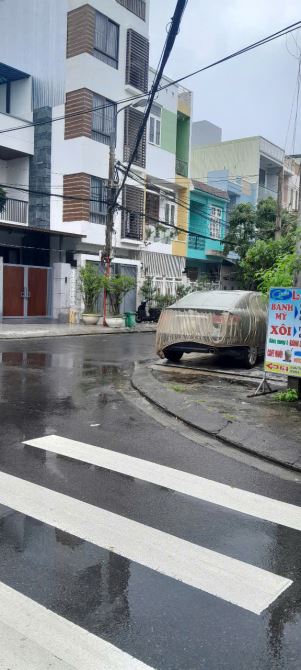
(219, 300)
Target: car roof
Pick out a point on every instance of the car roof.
(220, 300)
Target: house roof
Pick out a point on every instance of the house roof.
(217, 192)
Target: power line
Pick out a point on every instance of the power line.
(250, 47)
(53, 195)
(33, 124)
(170, 40)
(269, 38)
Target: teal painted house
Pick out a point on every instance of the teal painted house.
(208, 217)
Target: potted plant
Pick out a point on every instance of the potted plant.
(117, 287)
(91, 283)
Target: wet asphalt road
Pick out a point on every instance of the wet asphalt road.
(79, 388)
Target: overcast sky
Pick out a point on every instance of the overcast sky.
(251, 94)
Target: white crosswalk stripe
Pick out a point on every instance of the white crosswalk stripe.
(232, 498)
(34, 638)
(237, 582)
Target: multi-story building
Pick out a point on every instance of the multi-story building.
(34, 279)
(248, 168)
(208, 219)
(167, 186)
(84, 73)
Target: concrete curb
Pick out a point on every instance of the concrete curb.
(258, 442)
(68, 331)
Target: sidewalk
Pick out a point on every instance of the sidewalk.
(22, 330)
(221, 407)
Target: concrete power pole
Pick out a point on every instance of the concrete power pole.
(107, 254)
(294, 382)
(279, 204)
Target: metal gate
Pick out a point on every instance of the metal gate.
(26, 291)
(129, 302)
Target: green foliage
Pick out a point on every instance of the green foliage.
(287, 396)
(262, 256)
(163, 301)
(280, 274)
(182, 290)
(242, 224)
(117, 287)
(91, 283)
(2, 199)
(246, 225)
(148, 290)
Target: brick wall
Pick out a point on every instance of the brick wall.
(78, 124)
(77, 187)
(80, 31)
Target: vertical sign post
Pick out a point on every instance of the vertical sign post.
(283, 343)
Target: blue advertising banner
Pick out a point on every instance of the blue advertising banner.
(283, 343)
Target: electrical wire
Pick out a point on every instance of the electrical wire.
(170, 40)
(269, 38)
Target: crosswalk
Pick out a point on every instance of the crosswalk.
(35, 637)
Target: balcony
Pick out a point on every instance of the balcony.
(196, 243)
(131, 230)
(264, 193)
(181, 167)
(15, 211)
(15, 143)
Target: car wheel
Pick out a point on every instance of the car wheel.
(250, 356)
(173, 355)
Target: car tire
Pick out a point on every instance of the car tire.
(249, 357)
(173, 356)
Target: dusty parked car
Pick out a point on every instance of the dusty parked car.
(214, 321)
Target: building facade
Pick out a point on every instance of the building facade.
(167, 187)
(86, 81)
(248, 169)
(206, 263)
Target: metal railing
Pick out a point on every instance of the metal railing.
(181, 167)
(197, 243)
(15, 210)
(131, 230)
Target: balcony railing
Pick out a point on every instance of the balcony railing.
(131, 230)
(14, 210)
(181, 167)
(264, 193)
(196, 243)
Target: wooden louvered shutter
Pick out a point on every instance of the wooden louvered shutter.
(132, 122)
(133, 213)
(152, 204)
(137, 61)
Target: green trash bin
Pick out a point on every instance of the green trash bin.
(130, 319)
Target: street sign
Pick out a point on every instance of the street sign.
(283, 343)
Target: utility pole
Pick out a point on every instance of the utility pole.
(295, 382)
(107, 253)
(279, 204)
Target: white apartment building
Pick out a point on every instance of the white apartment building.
(60, 60)
(73, 67)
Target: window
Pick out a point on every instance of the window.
(99, 195)
(170, 213)
(261, 177)
(137, 61)
(103, 119)
(135, 6)
(132, 122)
(155, 125)
(106, 41)
(216, 223)
(132, 213)
(152, 203)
